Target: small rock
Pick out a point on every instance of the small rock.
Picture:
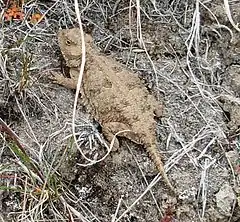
(233, 157)
(225, 199)
(234, 70)
(231, 104)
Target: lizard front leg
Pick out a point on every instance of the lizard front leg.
(61, 80)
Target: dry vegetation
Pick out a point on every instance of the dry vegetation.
(187, 52)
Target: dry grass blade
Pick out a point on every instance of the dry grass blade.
(203, 186)
(228, 12)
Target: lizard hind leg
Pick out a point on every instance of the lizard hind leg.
(110, 129)
(110, 138)
(156, 158)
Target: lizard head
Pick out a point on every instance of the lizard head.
(70, 44)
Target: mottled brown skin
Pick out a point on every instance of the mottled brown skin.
(115, 97)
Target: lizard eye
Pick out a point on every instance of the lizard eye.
(68, 42)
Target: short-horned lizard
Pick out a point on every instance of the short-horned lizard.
(114, 96)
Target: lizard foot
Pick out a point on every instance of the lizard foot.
(61, 80)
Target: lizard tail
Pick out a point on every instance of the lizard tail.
(156, 158)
